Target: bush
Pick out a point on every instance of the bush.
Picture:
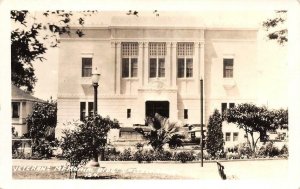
(206, 156)
(43, 149)
(164, 155)
(232, 155)
(271, 150)
(111, 154)
(184, 156)
(284, 150)
(244, 150)
(126, 155)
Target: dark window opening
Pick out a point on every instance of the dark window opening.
(128, 113)
(224, 107)
(91, 108)
(227, 68)
(15, 110)
(86, 67)
(186, 116)
(82, 110)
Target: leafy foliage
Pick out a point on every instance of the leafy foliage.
(42, 121)
(276, 28)
(184, 156)
(87, 138)
(214, 139)
(163, 132)
(252, 119)
(30, 37)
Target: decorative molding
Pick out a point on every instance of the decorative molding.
(141, 44)
(234, 40)
(84, 39)
(101, 96)
(113, 44)
(87, 54)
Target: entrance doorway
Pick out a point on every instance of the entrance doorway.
(160, 107)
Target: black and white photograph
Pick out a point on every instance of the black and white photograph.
(145, 92)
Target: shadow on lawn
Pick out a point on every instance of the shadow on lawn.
(97, 177)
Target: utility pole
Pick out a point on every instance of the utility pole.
(201, 116)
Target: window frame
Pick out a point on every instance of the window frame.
(130, 51)
(186, 114)
(18, 104)
(82, 111)
(128, 113)
(185, 51)
(235, 138)
(228, 134)
(228, 70)
(86, 109)
(83, 68)
(157, 51)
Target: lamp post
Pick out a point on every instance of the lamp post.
(95, 79)
(201, 116)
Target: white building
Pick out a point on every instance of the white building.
(154, 64)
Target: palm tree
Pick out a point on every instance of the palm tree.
(162, 132)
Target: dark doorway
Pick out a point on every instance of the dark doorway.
(160, 107)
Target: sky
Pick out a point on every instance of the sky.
(272, 57)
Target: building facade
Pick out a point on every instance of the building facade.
(150, 65)
(21, 106)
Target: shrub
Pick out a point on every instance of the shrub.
(271, 150)
(111, 154)
(244, 150)
(206, 156)
(184, 156)
(214, 141)
(126, 155)
(43, 149)
(284, 150)
(232, 155)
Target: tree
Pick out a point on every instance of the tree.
(214, 138)
(42, 121)
(277, 30)
(162, 132)
(85, 140)
(31, 36)
(253, 119)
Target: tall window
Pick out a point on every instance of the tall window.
(186, 115)
(86, 67)
(86, 106)
(157, 53)
(227, 136)
(235, 136)
(15, 109)
(129, 59)
(224, 106)
(128, 113)
(82, 110)
(228, 67)
(91, 108)
(185, 52)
